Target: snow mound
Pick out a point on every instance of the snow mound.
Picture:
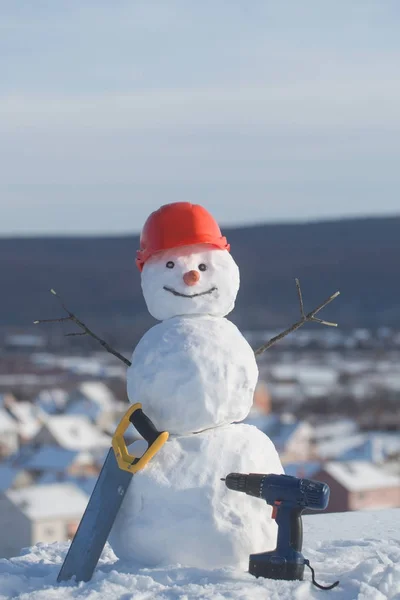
(362, 550)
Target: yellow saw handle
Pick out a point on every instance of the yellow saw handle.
(156, 439)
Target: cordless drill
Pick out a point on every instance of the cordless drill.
(288, 496)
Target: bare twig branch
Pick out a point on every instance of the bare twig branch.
(303, 316)
(321, 306)
(310, 317)
(328, 323)
(86, 330)
(52, 320)
(74, 334)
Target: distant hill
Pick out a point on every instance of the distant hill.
(98, 279)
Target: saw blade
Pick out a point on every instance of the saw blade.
(97, 521)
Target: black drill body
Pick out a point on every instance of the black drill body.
(289, 497)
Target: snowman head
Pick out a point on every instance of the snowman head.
(185, 263)
(190, 280)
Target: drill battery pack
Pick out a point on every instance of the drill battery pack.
(273, 566)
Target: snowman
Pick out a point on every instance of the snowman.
(195, 375)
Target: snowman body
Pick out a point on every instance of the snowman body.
(194, 374)
(177, 510)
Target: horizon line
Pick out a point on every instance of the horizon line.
(278, 223)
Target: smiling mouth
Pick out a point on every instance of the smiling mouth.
(175, 293)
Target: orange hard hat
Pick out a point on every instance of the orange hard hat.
(178, 224)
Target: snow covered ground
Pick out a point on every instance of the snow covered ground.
(361, 549)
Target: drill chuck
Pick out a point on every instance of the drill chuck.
(249, 484)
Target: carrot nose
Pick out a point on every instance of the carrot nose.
(191, 277)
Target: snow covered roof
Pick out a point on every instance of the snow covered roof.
(51, 458)
(27, 416)
(6, 422)
(304, 373)
(98, 392)
(84, 483)
(320, 375)
(375, 447)
(285, 372)
(25, 340)
(331, 429)
(52, 400)
(316, 390)
(286, 391)
(28, 379)
(94, 365)
(337, 446)
(279, 428)
(302, 469)
(91, 398)
(75, 432)
(81, 364)
(50, 501)
(357, 476)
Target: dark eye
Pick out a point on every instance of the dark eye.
(202, 267)
(170, 264)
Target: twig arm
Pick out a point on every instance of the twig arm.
(310, 317)
(300, 295)
(278, 337)
(86, 330)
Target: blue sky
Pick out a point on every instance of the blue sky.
(263, 111)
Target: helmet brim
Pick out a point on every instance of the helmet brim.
(143, 255)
